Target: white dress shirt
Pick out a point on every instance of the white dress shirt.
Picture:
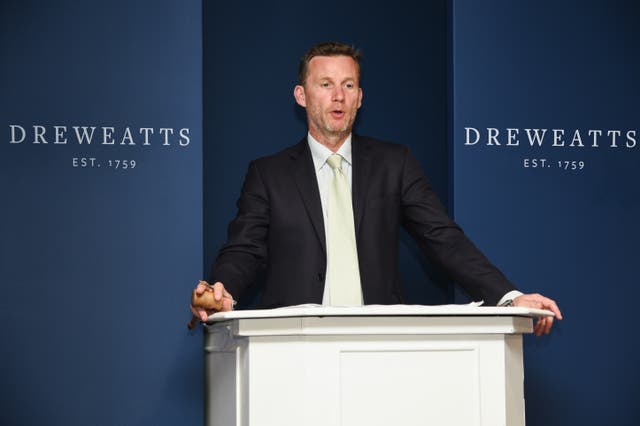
(324, 174)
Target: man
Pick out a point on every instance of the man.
(291, 223)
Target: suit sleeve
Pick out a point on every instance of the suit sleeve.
(244, 256)
(443, 241)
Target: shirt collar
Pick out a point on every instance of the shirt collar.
(320, 153)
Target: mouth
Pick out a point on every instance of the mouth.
(337, 114)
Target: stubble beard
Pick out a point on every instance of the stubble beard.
(333, 131)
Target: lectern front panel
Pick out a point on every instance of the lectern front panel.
(314, 370)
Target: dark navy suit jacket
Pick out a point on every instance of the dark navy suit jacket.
(278, 232)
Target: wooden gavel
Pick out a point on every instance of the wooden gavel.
(205, 301)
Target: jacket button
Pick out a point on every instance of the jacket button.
(320, 276)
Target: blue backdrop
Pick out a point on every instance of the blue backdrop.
(568, 233)
(96, 262)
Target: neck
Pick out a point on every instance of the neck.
(332, 141)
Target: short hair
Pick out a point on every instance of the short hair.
(332, 48)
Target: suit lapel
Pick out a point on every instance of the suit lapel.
(304, 176)
(361, 158)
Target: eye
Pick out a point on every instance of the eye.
(350, 85)
(325, 84)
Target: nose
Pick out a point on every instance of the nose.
(338, 94)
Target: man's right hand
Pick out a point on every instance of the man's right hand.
(219, 294)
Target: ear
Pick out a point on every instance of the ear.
(298, 93)
(359, 97)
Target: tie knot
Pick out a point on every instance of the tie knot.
(335, 161)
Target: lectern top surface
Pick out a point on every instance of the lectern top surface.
(311, 310)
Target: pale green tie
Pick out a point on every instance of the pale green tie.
(342, 253)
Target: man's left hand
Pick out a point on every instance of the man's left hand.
(538, 301)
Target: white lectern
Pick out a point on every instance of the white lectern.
(367, 366)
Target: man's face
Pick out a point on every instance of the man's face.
(331, 95)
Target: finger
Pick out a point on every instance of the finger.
(553, 307)
(538, 328)
(218, 290)
(201, 287)
(202, 314)
(199, 313)
(541, 326)
(548, 324)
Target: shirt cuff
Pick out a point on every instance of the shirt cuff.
(509, 297)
